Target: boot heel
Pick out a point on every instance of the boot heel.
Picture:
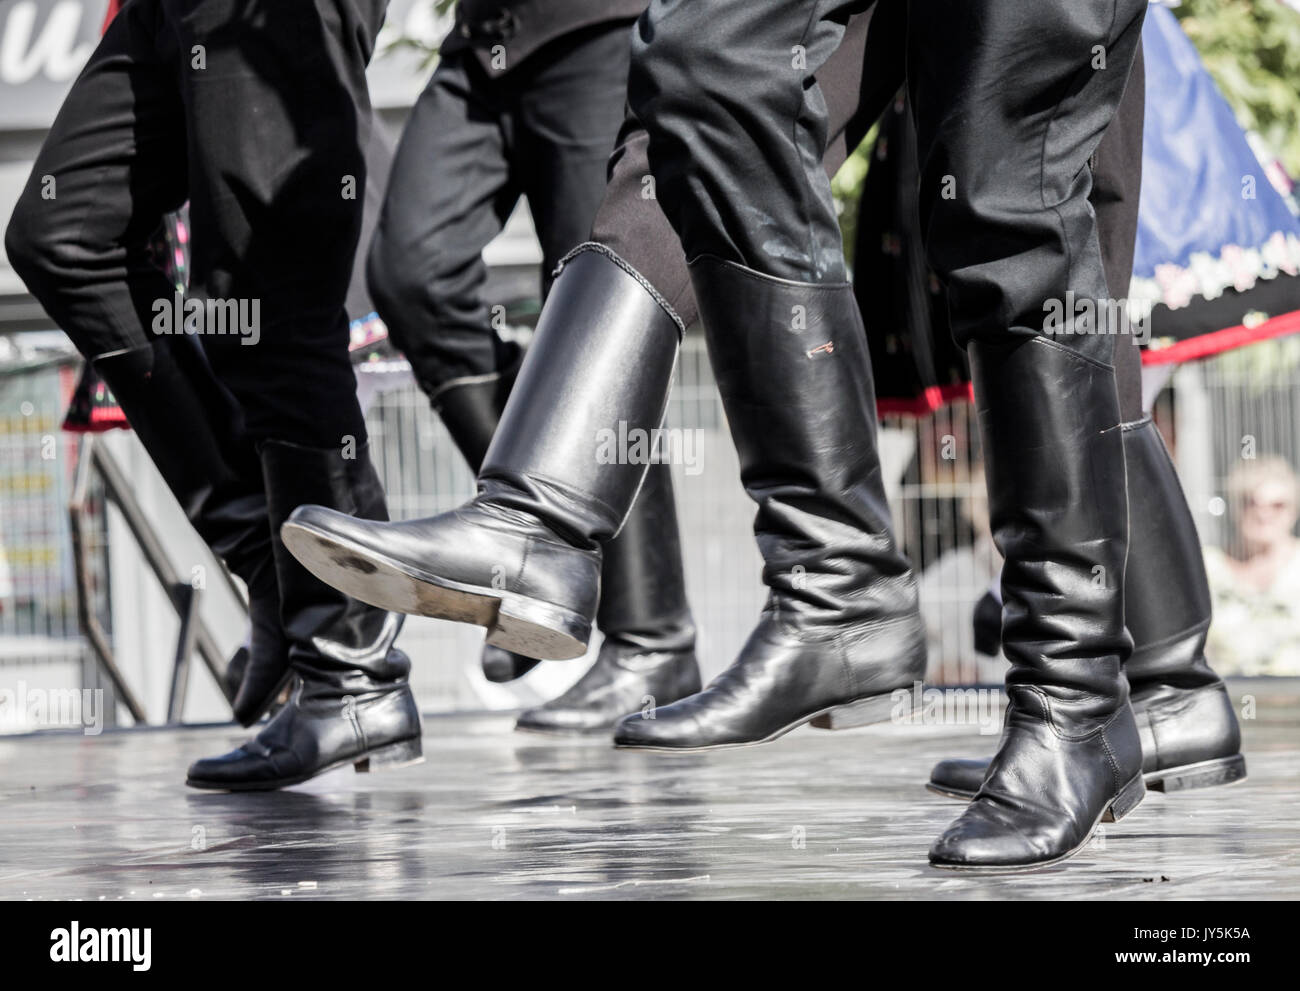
(539, 629)
(1205, 774)
(393, 755)
(863, 712)
(1127, 800)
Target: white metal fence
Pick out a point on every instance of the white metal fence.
(1218, 413)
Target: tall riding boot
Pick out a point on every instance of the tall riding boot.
(192, 431)
(1070, 754)
(523, 557)
(648, 654)
(470, 409)
(352, 703)
(1189, 731)
(841, 631)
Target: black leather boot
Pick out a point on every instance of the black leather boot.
(523, 557)
(841, 630)
(1070, 755)
(648, 655)
(1189, 731)
(352, 703)
(193, 431)
(471, 408)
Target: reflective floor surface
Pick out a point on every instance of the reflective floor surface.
(493, 813)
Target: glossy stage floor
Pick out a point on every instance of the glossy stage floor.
(494, 813)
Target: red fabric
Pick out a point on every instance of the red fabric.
(1206, 345)
(928, 401)
(113, 7)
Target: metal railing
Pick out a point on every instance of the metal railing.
(95, 460)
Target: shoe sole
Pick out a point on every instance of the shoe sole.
(861, 712)
(514, 622)
(1129, 797)
(564, 731)
(389, 757)
(1185, 777)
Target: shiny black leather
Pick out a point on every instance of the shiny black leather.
(470, 409)
(352, 702)
(1189, 731)
(649, 648)
(643, 586)
(1190, 738)
(1070, 752)
(626, 677)
(365, 718)
(192, 431)
(529, 543)
(841, 624)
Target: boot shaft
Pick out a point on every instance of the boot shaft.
(793, 370)
(643, 602)
(558, 453)
(1166, 591)
(333, 638)
(1054, 466)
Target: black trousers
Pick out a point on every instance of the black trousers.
(471, 147)
(738, 123)
(857, 81)
(257, 114)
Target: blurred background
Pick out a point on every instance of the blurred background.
(98, 568)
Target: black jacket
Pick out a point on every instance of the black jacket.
(521, 27)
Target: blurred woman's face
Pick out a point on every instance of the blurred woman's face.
(1269, 514)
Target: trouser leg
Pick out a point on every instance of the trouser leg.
(113, 164)
(858, 81)
(450, 192)
(738, 127)
(277, 117)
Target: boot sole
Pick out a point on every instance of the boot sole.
(1185, 777)
(565, 731)
(514, 622)
(390, 756)
(1204, 774)
(1129, 797)
(861, 712)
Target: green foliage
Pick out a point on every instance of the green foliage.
(1252, 49)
